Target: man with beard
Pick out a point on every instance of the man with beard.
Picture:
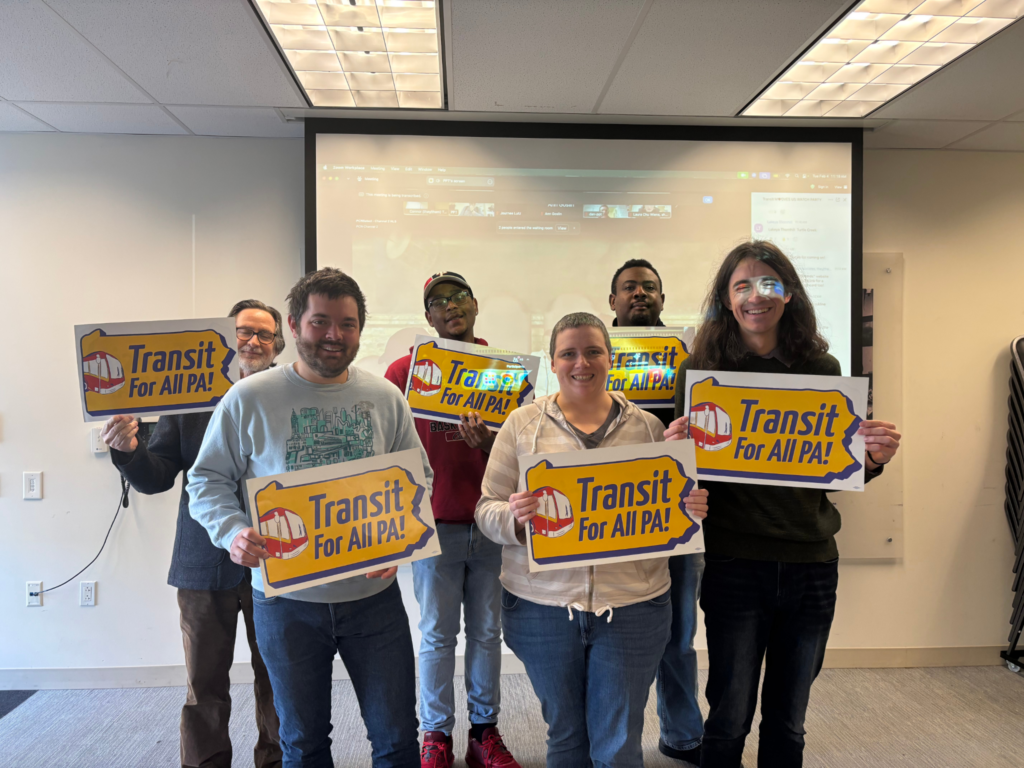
(465, 575)
(267, 425)
(637, 300)
(211, 588)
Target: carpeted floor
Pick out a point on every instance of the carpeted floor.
(971, 717)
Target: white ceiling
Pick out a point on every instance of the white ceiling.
(207, 67)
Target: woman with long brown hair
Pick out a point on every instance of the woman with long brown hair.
(772, 565)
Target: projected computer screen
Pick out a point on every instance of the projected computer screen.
(539, 226)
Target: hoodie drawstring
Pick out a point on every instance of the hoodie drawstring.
(599, 612)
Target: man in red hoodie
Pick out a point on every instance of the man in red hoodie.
(465, 574)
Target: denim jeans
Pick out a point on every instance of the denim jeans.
(299, 640)
(682, 724)
(465, 575)
(592, 676)
(753, 609)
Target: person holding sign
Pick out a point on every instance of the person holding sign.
(316, 412)
(465, 575)
(769, 586)
(593, 668)
(212, 590)
(637, 300)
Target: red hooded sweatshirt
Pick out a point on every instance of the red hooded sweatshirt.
(458, 469)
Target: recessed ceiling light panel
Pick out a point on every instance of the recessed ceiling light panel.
(877, 51)
(372, 54)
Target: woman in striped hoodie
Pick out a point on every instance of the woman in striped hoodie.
(591, 673)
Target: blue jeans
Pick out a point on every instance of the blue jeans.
(753, 609)
(682, 724)
(464, 574)
(299, 640)
(592, 677)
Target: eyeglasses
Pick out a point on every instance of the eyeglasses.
(458, 299)
(244, 334)
(766, 285)
(648, 286)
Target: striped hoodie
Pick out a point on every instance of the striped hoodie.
(541, 428)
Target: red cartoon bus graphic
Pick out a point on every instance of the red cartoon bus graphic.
(710, 426)
(285, 533)
(102, 373)
(554, 517)
(426, 377)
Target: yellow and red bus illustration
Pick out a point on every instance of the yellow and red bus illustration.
(285, 533)
(710, 426)
(554, 516)
(102, 373)
(426, 377)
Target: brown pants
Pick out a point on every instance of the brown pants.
(209, 620)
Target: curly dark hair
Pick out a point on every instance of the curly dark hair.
(719, 346)
(329, 282)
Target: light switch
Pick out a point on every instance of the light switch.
(31, 485)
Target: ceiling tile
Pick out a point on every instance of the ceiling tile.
(43, 59)
(919, 134)
(535, 55)
(187, 51)
(105, 118)
(708, 57)
(237, 121)
(984, 85)
(1006, 136)
(13, 119)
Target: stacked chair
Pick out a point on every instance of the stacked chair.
(1014, 504)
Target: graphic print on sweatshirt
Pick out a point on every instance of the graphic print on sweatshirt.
(322, 436)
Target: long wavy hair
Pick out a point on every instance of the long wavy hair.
(719, 345)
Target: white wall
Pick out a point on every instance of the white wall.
(100, 229)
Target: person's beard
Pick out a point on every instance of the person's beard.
(328, 370)
(641, 315)
(251, 365)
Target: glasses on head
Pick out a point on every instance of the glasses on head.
(458, 299)
(648, 286)
(244, 334)
(766, 285)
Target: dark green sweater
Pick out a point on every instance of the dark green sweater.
(770, 522)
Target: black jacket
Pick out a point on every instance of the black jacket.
(195, 563)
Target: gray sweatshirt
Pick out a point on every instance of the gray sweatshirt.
(279, 422)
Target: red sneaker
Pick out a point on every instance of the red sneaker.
(436, 751)
(490, 752)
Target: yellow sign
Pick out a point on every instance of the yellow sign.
(450, 378)
(151, 368)
(323, 530)
(644, 364)
(777, 429)
(611, 505)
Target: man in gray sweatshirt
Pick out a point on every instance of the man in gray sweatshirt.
(315, 412)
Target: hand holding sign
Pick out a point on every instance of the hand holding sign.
(881, 441)
(120, 433)
(248, 548)
(475, 432)
(524, 508)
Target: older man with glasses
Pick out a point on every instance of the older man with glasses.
(465, 575)
(211, 589)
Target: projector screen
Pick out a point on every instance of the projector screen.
(538, 226)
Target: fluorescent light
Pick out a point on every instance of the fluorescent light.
(878, 50)
(371, 54)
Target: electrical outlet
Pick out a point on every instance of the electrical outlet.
(96, 444)
(33, 593)
(87, 593)
(31, 485)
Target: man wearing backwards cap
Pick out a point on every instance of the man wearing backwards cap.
(466, 572)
